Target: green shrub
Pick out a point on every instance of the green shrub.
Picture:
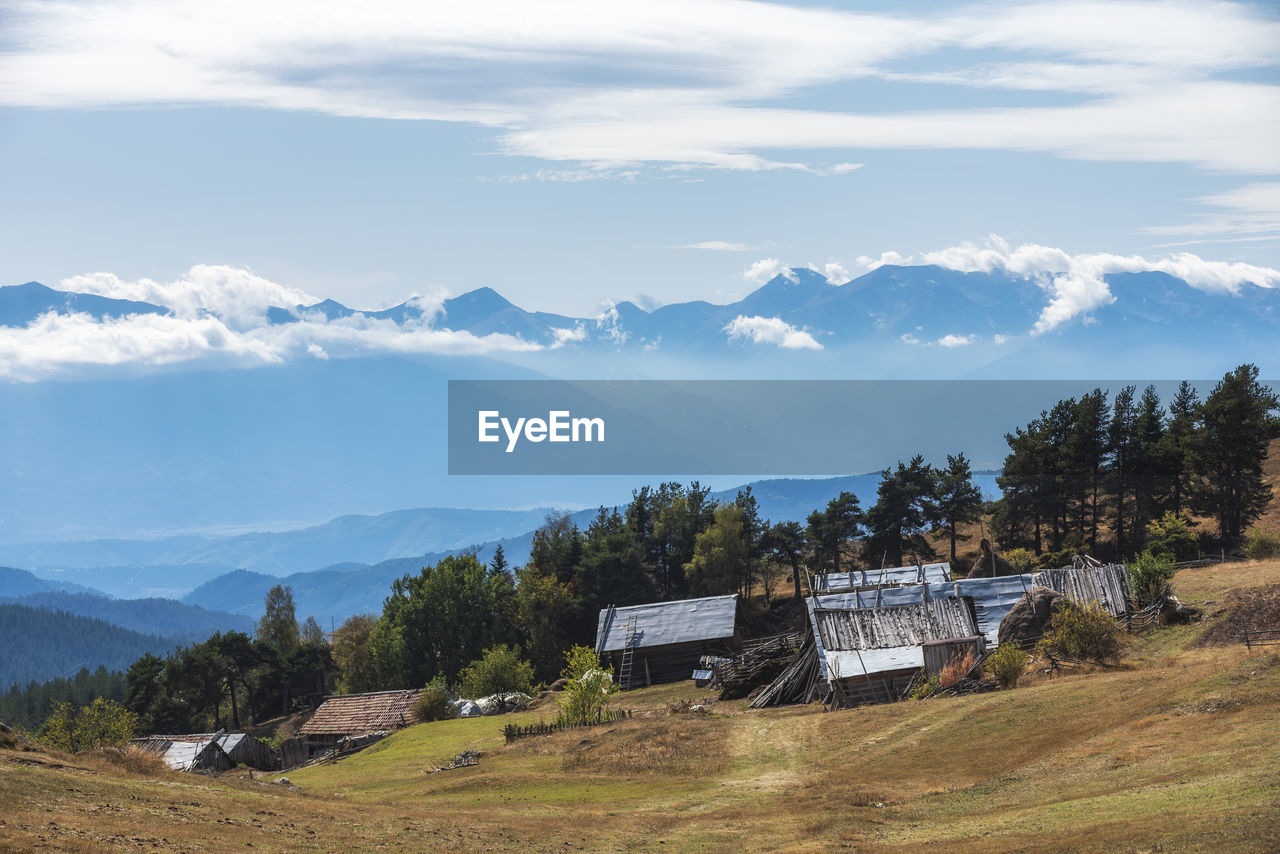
(1262, 545)
(1057, 560)
(499, 670)
(588, 687)
(1021, 559)
(1149, 577)
(1006, 664)
(1081, 632)
(102, 723)
(924, 686)
(1172, 537)
(433, 703)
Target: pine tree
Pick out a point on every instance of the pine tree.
(1238, 426)
(959, 499)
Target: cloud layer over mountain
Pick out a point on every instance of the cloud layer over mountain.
(231, 317)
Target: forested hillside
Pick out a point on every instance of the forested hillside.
(159, 616)
(40, 644)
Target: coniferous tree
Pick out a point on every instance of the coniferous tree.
(1238, 426)
(785, 541)
(1178, 452)
(1122, 445)
(905, 508)
(959, 499)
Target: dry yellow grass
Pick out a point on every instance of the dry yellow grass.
(1176, 751)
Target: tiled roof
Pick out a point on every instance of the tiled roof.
(355, 714)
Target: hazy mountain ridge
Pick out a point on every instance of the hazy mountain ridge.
(165, 617)
(39, 644)
(891, 301)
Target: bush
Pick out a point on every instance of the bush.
(588, 687)
(102, 723)
(1171, 537)
(924, 686)
(498, 671)
(1262, 545)
(1006, 664)
(1021, 559)
(1149, 577)
(1081, 632)
(433, 703)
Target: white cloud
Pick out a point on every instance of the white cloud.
(218, 317)
(1247, 213)
(846, 168)
(1152, 74)
(771, 330)
(1075, 283)
(956, 340)
(867, 263)
(564, 336)
(717, 246)
(237, 296)
(609, 322)
(908, 338)
(834, 271)
(762, 270)
(999, 339)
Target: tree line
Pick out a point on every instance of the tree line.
(1097, 472)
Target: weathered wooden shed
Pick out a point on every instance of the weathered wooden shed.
(188, 752)
(345, 720)
(665, 641)
(870, 655)
(243, 749)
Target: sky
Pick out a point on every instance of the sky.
(567, 153)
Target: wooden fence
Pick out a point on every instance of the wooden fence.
(1261, 637)
(514, 731)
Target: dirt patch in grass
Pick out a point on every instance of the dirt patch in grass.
(1244, 609)
(676, 745)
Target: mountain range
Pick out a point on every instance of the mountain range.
(922, 303)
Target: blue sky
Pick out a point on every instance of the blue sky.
(564, 153)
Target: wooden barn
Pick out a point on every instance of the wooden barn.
(350, 720)
(665, 641)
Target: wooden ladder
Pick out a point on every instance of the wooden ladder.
(628, 652)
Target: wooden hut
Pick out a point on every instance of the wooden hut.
(350, 720)
(666, 641)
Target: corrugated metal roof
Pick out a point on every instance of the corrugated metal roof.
(933, 573)
(356, 714)
(186, 753)
(663, 623)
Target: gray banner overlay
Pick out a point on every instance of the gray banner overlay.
(743, 427)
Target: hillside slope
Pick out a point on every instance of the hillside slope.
(149, 616)
(1174, 751)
